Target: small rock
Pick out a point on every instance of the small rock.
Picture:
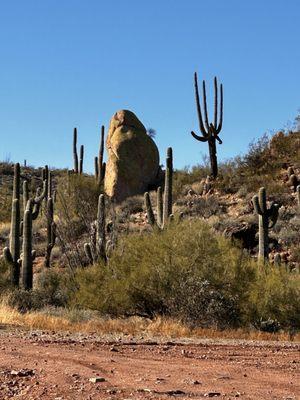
(22, 372)
(97, 379)
(212, 394)
(174, 392)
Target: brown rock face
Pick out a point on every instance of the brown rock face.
(133, 158)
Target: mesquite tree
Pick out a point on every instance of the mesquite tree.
(210, 130)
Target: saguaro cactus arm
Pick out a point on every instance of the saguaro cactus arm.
(273, 213)
(148, 205)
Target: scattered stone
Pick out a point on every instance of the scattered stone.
(145, 390)
(174, 392)
(97, 379)
(22, 372)
(212, 394)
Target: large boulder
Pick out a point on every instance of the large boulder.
(133, 159)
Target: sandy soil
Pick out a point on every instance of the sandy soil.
(56, 366)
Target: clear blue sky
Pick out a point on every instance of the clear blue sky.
(67, 63)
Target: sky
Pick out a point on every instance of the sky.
(74, 63)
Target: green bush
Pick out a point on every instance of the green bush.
(275, 295)
(162, 273)
(4, 275)
(191, 273)
(52, 289)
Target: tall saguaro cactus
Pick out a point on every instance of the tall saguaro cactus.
(267, 218)
(168, 201)
(18, 227)
(164, 201)
(78, 165)
(210, 131)
(75, 155)
(12, 254)
(100, 166)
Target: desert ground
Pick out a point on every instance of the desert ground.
(66, 366)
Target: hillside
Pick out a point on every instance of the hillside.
(219, 226)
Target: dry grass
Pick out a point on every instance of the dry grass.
(158, 327)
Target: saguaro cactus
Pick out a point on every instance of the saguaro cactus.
(164, 202)
(267, 218)
(168, 201)
(78, 166)
(75, 155)
(51, 232)
(28, 255)
(102, 165)
(210, 131)
(97, 248)
(12, 254)
(81, 159)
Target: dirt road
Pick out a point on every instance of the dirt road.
(40, 365)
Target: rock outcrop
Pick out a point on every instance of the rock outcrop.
(133, 158)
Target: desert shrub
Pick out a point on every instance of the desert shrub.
(275, 296)
(187, 176)
(54, 285)
(200, 206)
(131, 205)
(5, 203)
(285, 146)
(23, 300)
(191, 273)
(76, 208)
(161, 273)
(287, 229)
(77, 198)
(258, 155)
(295, 253)
(52, 288)
(4, 275)
(198, 302)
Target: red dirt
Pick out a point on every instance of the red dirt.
(58, 367)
